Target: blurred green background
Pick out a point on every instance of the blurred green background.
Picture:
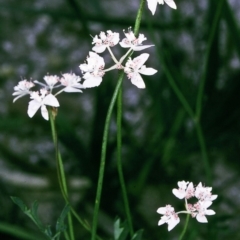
(161, 139)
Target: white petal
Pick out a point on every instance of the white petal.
(206, 204)
(209, 212)
(152, 5)
(173, 222)
(99, 49)
(116, 38)
(124, 45)
(147, 71)
(141, 59)
(16, 98)
(213, 197)
(201, 218)
(162, 220)
(51, 101)
(71, 89)
(44, 112)
(93, 55)
(161, 210)
(33, 106)
(92, 82)
(138, 81)
(171, 3)
(141, 47)
(178, 194)
(84, 67)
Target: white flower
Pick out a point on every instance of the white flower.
(201, 211)
(169, 217)
(152, 4)
(132, 42)
(22, 89)
(51, 80)
(185, 190)
(135, 66)
(204, 193)
(181, 191)
(109, 40)
(93, 70)
(40, 100)
(71, 82)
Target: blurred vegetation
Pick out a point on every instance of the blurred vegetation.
(196, 46)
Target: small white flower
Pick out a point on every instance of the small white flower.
(93, 70)
(135, 66)
(22, 89)
(185, 190)
(51, 80)
(104, 41)
(202, 211)
(204, 193)
(152, 4)
(132, 42)
(169, 217)
(71, 82)
(181, 191)
(40, 100)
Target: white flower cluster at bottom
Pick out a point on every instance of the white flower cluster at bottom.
(199, 209)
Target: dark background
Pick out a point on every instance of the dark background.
(160, 141)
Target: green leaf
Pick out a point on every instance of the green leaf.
(48, 231)
(120, 230)
(137, 235)
(20, 203)
(60, 226)
(34, 214)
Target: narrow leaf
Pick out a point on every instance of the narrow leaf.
(60, 226)
(20, 203)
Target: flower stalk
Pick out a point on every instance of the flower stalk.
(60, 171)
(103, 157)
(119, 162)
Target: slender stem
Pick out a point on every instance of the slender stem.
(119, 162)
(103, 157)
(112, 55)
(204, 152)
(207, 58)
(188, 109)
(105, 134)
(201, 90)
(185, 227)
(139, 17)
(61, 173)
(170, 77)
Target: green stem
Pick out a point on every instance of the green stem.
(19, 233)
(139, 17)
(103, 157)
(170, 77)
(188, 109)
(60, 170)
(119, 162)
(105, 134)
(207, 58)
(204, 152)
(185, 227)
(201, 91)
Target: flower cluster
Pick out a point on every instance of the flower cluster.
(198, 209)
(69, 82)
(93, 69)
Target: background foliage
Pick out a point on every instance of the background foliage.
(160, 144)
